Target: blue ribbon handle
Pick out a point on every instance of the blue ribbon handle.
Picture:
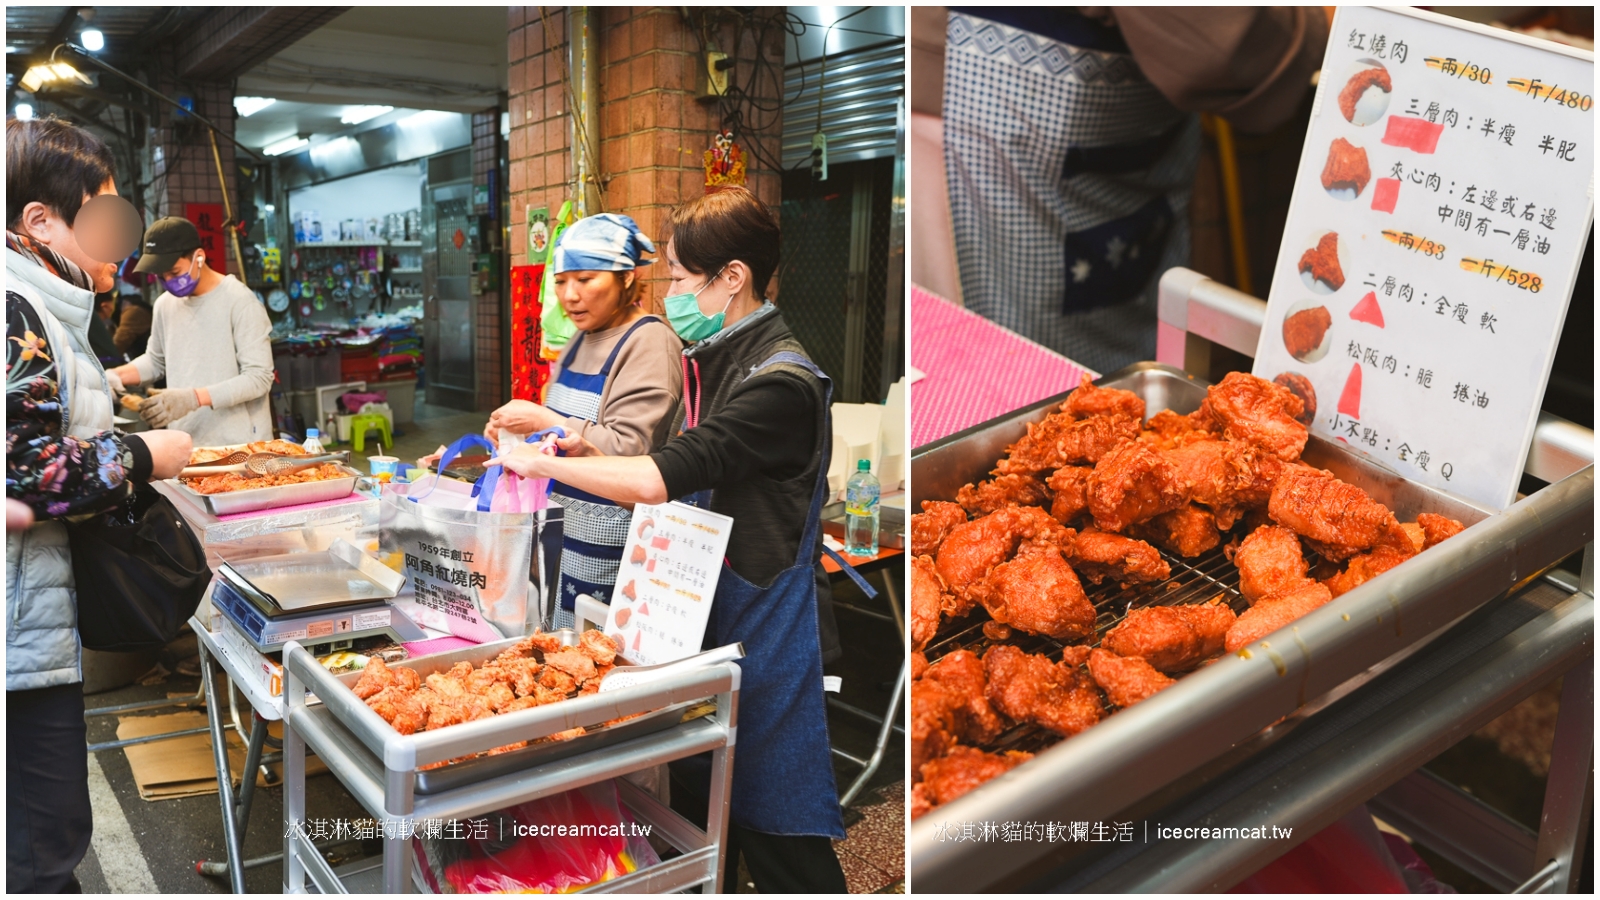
(450, 454)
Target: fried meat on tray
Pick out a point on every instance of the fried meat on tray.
(1030, 688)
(1125, 679)
(1274, 612)
(1269, 560)
(1071, 487)
(927, 601)
(512, 681)
(1060, 440)
(1187, 531)
(1098, 555)
(962, 769)
(1339, 519)
(1228, 477)
(1254, 411)
(1436, 528)
(1297, 535)
(1090, 400)
(1003, 490)
(973, 548)
(1168, 430)
(1133, 483)
(930, 527)
(1171, 638)
(1037, 592)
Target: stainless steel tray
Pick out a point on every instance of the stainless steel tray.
(270, 497)
(1133, 754)
(470, 771)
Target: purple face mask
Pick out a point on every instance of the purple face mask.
(184, 285)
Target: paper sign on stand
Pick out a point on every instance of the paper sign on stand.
(1441, 210)
(668, 576)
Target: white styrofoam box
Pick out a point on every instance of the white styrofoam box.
(856, 428)
(892, 439)
(328, 400)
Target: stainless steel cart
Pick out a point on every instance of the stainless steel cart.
(1350, 702)
(379, 767)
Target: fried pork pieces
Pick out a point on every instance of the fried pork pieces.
(514, 680)
(1081, 500)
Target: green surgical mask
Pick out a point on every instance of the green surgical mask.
(688, 321)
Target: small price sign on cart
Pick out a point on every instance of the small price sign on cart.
(665, 583)
(1440, 212)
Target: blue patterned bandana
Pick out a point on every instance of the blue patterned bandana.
(607, 242)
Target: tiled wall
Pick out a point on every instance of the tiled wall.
(492, 369)
(183, 169)
(653, 131)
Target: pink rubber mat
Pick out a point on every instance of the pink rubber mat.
(975, 370)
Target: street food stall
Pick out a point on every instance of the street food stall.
(1226, 669)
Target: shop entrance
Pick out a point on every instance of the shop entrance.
(447, 324)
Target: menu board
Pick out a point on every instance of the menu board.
(1441, 209)
(668, 576)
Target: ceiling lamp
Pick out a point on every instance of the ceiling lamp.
(249, 106)
(24, 111)
(93, 40)
(293, 142)
(355, 115)
(41, 75)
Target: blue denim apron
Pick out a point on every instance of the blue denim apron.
(783, 772)
(595, 528)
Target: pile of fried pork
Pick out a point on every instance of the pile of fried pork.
(1090, 493)
(537, 670)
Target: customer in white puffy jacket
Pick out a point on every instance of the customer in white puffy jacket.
(63, 459)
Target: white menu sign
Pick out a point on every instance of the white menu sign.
(1440, 212)
(665, 583)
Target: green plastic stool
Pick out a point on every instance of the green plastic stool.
(359, 426)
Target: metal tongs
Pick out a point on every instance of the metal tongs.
(258, 465)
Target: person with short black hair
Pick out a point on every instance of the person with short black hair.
(210, 337)
(753, 441)
(63, 458)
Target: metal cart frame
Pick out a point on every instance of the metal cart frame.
(379, 767)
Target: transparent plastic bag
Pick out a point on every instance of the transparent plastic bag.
(554, 844)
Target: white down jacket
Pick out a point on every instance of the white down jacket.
(42, 648)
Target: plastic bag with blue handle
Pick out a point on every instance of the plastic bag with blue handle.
(513, 494)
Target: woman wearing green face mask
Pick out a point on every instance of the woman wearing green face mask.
(751, 440)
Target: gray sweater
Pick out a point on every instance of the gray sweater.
(221, 341)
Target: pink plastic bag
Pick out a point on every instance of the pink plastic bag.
(552, 845)
(515, 494)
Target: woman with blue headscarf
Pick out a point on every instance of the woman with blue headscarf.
(616, 384)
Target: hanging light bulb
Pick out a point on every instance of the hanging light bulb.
(93, 40)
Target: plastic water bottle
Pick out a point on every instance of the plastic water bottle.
(861, 512)
(313, 447)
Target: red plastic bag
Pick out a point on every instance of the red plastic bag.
(555, 844)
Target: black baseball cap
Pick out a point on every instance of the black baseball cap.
(164, 241)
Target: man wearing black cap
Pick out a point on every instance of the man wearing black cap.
(211, 338)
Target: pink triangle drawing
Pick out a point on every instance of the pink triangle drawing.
(636, 640)
(642, 609)
(1368, 311)
(1350, 400)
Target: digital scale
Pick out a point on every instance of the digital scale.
(326, 601)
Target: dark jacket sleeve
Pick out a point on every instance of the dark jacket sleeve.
(1251, 64)
(54, 473)
(769, 426)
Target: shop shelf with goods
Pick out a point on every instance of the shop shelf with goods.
(384, 769)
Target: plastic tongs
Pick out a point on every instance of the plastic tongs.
(628, 676)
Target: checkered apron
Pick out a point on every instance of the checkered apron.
(595, 529)
(1069, 180)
